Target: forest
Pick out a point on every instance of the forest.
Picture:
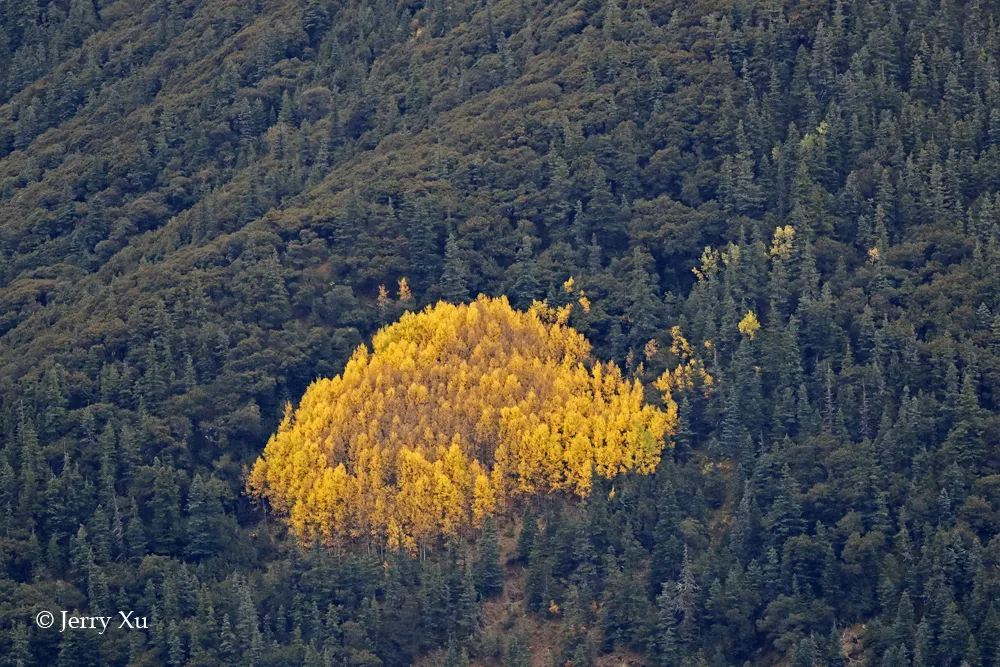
(772, 225)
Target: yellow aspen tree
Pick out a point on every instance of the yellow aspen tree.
(456, 413)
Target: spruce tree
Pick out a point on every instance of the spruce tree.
(488, 570)
(643, 302)
(526, 285)
(207, 522)
(165, 509)
(517, 653)
(784, 519)
(421, 236)
(108, 470)
(135, 535)
(526, 536)
(454, 280)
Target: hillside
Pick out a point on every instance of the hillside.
(207, 205)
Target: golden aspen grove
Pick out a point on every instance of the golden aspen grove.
(456, 412)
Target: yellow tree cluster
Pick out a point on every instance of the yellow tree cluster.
(457, 412)
(690, 372)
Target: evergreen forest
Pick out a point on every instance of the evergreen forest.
(777, 220)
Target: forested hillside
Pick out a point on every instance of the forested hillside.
(206, 205)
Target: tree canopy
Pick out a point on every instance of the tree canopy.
(202, 203)
(457, 411)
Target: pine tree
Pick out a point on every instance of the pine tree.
(989, 634)
(78, 649)
(686, 597)
(81, 558)
(26, 128)
(30, 471)
(454, 280)
(175, 653)
(108, 470)
(784, 519)
(668, 550)
(526, 536)
(526, 285)
(227, 641)
(165, 509)
(668, 653)
(20, 647)
(100, 532)
(8, 494)
(207, 522)
(316, 20)
(286, 114)
(644, 304)
(129, 455)
(466, 609)
(594, 264)
(488, 570)
(248, 626)
(421, 235)
(517, 653)
(904, 626)
(135, 536)
(538, 582)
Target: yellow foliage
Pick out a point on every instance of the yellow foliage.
(689, 373)
(404, 291)
(731, 255)
(709, 264)
(749, 325)
(550, 315)
(781, 246)
(456, 413)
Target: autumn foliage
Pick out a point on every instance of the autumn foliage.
(456, 413)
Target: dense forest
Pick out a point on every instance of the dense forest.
(459, 413)
(207, 205)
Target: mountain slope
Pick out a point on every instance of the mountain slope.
(200, 206)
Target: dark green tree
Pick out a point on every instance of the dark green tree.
(488, 570)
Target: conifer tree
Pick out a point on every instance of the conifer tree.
(667, 547)
(526, 286)
(8, 494)
(488, 570)
(785, 515)
(207, 521)
(421, 235)
(30, 463)
(454, 280)
(20, 646)
(108, 471)
(466, 621)
(526, 536)
(644, 304)
(668, 653)
(538, 582)
(135, 535)
(81, 558)
(100, 532)
(517, 652)
(165, 509)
